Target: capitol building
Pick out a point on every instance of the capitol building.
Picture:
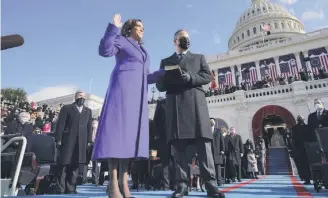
(267, 41)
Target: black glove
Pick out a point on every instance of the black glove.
(58, 144)
(185, 77)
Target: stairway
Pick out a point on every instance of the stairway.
(278, 161)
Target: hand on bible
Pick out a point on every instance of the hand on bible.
(117, 20)
(185, 77)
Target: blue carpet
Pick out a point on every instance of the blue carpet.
(278, 161)
(273, 186)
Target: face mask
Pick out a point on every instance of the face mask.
(79, 101)
(318, 107)
(184, 43)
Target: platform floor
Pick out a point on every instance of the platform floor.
(273, 186)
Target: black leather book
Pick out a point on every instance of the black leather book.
(172, 73)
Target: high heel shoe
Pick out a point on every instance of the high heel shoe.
(122, 192)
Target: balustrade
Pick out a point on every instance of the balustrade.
(298, 88)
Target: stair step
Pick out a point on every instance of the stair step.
(278, 161)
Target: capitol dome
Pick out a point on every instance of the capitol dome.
(248, 28)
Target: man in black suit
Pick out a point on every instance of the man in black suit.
(73, 135)
(161, 141)
(234, 152)
(218, 151)
(319, 118)
(187, 116)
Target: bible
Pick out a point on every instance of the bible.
(172, 73)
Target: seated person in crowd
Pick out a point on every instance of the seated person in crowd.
(21, 126)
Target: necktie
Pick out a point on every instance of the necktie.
(319, 115)
(181, 56)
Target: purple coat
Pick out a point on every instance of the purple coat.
(123, 130)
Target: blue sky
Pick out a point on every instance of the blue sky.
(62, 36)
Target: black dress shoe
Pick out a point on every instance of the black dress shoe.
(180, 192)
(212, 191)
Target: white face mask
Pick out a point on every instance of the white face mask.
(318, 107)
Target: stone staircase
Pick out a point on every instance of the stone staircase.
(278, 161)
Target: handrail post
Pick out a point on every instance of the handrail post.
(19, 162)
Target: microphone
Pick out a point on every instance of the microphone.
(11, 41)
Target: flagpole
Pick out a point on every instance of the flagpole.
(90, 85)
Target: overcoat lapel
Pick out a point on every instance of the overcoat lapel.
(175, 60)
(138, 47)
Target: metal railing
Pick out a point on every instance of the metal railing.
(14, 180)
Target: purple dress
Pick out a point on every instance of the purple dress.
(123, 130)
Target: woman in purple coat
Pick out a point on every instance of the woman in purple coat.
(123, 131)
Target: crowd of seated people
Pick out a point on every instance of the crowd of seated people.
(42, 118)
(265, 82)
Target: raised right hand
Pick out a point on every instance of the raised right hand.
(117, 20)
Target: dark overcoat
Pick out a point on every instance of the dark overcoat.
(218, 146)
(187, 115)
(73, 128)
(234, 148)
(314, 122)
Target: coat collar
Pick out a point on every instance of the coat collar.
(74, 107)
(138, 47)
(175, 59)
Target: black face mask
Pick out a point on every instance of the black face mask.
(300, 121)
(79, 101)
(184, 43)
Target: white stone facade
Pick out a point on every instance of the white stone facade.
(92, 101)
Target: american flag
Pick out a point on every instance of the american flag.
(318, 62)
(250, 76)
(289, 68)
(271, 71)
(225, 79)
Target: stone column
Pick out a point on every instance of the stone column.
(233, 75)
(240, 77)
(257, 65)
(276, 62)
(298, 61)
(308, 63)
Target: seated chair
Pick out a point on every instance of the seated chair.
(44, 148)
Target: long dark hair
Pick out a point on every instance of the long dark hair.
(128, 26)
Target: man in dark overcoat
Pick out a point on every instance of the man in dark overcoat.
(161, 140)
(187, 116)
(234, 153)
(302, 133)
(218, 151)
(319, 118)
(73, 135)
